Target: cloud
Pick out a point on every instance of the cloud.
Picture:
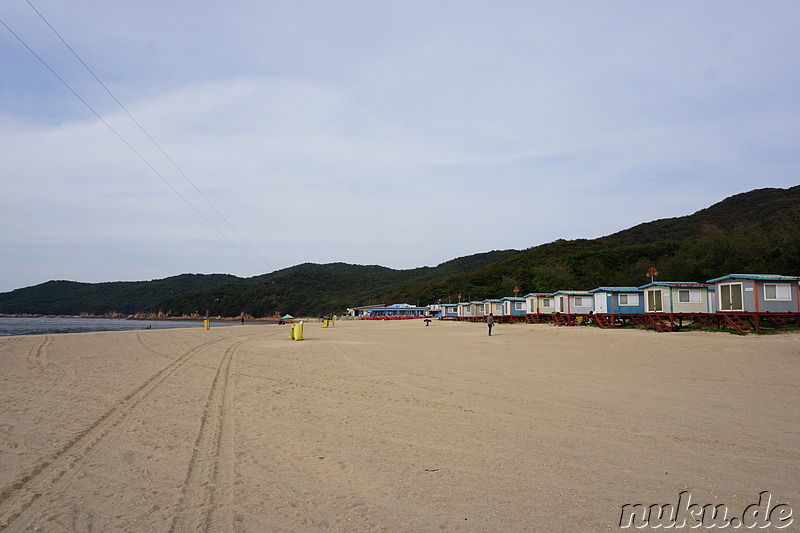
(398, 134)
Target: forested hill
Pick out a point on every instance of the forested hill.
(765, 210)
(128, 297)
(306, 289)
(755, 232)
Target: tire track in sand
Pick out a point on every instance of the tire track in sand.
(147, 346)
(207, 497)
(4, 343)
(37, 358)
(37, 354)
(17, 500)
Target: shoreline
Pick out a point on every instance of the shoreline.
(151, 319)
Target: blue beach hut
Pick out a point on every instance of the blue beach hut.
(513, 306)
(618, 300)
(398, 311)
(449, 310)
(757, 293)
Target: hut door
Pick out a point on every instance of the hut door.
(600, 303)
(730, 296)
(654, 300)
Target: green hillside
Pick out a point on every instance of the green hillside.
(306, 289)
(767, 210)
(755, 232)
(314, 290)
(128, 297)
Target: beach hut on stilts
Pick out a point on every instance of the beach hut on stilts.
(540, 307)
(573, 307)
(493, 307)
(746, 302)
(475, 311)
(670, 304)
(617, 306)
(513, 308)
(449, 311)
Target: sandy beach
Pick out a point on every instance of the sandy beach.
(390, 426)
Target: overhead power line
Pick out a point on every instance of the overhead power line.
(155, 143)
(126, 143)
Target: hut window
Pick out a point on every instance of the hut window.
(689, 296)
(518, 306)
(628, 299)
(547, 302)
(777, 291)
(579, 301)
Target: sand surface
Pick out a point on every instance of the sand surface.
(390, 426)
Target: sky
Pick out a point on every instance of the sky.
(403, 134)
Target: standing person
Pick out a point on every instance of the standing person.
(490, 322)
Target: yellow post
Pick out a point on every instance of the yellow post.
(206, 325)
(298, 331)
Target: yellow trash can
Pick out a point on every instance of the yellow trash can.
(298, 331)
(206, 325)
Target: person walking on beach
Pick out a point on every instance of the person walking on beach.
(490, 322)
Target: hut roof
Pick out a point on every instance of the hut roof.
(762, 277)
(616, 289)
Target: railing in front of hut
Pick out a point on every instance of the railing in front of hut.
(741, 322)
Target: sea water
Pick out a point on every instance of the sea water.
(46, 325)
